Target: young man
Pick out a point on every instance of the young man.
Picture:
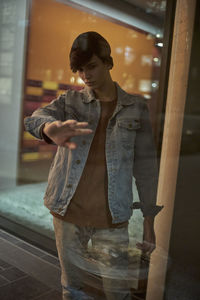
(104, 138)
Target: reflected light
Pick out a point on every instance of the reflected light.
(129, 83)
(158, 35)
(128, 49)
(145, 85)
(149, 37)
(146, 60)
(159, 44)
(60, 74)
(156, 61)
(79, 81)
(147, 96)
(189, 132)
(119, 50)
(129, 55)
(154, 84)
(72, 79)
(132, 34)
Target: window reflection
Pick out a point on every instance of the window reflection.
(137, 58)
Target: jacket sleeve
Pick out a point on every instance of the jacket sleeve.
(145, 168)
(50, 113)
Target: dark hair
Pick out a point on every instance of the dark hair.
(85, 46)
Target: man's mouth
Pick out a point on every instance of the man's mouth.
(89, 82)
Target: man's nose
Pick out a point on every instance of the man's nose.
(87, 75)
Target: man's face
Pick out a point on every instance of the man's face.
(95, 73)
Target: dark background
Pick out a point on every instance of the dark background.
(183, 278)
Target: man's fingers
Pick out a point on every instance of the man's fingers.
(69, 123)
(150, 250)
(59, 123)
(140, 246)
(146, 247)
(73, 124)
(81, 124)
(62, 132)
(76, 128)
(81, 131)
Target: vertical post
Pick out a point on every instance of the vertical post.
(177, 90)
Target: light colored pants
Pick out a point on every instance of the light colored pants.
(106, 257)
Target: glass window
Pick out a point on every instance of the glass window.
(36, 39)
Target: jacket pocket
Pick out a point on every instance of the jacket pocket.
(127, 129)
(129, 124)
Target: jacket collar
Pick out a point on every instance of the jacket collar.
(88, 94)
(123, 98)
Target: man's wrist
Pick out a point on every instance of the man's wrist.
(149, 220)
(44, 135)
(44, 128)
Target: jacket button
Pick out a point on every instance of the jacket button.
(130, 125)
(84, 142)
(78, 161)
(69, 185)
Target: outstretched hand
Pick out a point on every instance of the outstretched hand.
(61, 132)
(149, 239)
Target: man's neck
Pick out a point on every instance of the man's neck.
(107, 93)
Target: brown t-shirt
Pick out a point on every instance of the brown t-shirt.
(89, 205)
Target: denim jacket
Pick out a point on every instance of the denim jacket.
(129, 149)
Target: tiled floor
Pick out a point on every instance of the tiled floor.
(27, 272)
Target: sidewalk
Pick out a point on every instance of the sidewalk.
(27, 272)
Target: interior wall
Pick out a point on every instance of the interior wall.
(54, 26)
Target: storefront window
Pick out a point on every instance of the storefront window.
(35, 40)
(47, 35)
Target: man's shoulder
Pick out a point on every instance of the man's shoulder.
(73, 95)
(74, 91)
(131, 98)
(137, 97)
